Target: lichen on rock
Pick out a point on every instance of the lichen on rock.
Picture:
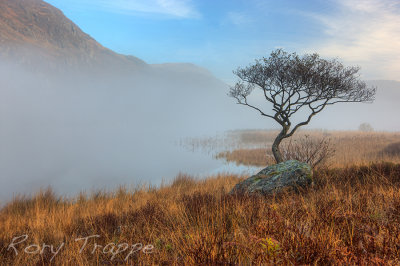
(290, 174)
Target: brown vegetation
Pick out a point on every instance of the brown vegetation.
(351, 147)
(392, 149)
(350, 216)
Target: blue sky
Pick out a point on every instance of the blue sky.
(221, 35)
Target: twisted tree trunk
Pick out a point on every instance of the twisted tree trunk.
(275, 146)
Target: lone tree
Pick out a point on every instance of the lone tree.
(291, 83)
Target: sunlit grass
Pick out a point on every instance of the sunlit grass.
(350, 215)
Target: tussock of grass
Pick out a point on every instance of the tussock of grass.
(350, 216)
(393, 149)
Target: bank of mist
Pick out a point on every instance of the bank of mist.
(82, 128)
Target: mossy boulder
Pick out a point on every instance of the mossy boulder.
(275, 178)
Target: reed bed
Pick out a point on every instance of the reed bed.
(350, 147)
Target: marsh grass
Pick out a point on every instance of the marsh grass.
(351, 215)
(350, 147)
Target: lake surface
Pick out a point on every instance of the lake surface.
(93, 137)
(100, 165)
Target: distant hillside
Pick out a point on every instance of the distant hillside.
(33, 31)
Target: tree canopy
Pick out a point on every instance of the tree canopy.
(290, 82)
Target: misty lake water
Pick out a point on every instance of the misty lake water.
(87, 135)
(93, 172)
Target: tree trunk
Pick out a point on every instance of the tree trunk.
(275, 146)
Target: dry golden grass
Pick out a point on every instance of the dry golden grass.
(349, 216)
(351, 147)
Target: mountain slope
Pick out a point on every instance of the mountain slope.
(34, 31)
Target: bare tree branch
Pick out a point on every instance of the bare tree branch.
(291, 82)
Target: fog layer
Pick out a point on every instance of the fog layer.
(78, 130)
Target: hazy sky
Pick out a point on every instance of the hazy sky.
(222, 35)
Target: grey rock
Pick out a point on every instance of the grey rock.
(275, 178)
